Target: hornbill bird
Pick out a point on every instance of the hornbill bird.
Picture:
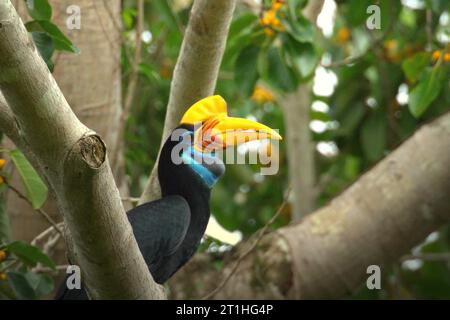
(168, 231)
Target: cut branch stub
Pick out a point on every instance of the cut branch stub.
(93, 151)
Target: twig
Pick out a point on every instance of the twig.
(131, 85)
(39, 210)
(429, 18)
(45, 233)
(253, 246)
(9, 265)
(46, 269)
(51, 243)
(432, 257)
(356, 58)
(130, 199)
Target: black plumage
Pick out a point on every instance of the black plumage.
(168, 231)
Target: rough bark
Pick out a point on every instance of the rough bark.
(384, 214)
(301, 152)
(75, 164)
(300, 145)
(197, 68)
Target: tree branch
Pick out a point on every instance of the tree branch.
(132, 82)
(8, 124)
(300, 145)
(197, 68)
(378, 219)
(75, 165)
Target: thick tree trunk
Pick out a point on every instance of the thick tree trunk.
(91, 83)
(384, 214)
(75, 164)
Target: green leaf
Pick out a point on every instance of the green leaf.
(128, 15)
(30, 255)
(5, 229)
(39, 9)
(36, 190)
(278, 74)
(44, 44)
(42, 284)
(301, 29)
(355, 11)
(61, 42)
(237, 44)
(373, 136)
(166, 11)
(242, 24)
(246, 71)
(295, 6)
(414, 66)
(20, 285)
(426, 91)
(317, 115)
(350, 119)
(149, 71)
(301, 56)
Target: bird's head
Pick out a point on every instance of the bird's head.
(206, 128)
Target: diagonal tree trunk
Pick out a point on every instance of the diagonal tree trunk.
(74, 161)
(91, 83)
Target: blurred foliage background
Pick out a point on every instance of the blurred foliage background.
(360, 111)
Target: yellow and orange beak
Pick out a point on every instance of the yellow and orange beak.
(214, 129)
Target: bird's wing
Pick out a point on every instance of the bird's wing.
(160, 226)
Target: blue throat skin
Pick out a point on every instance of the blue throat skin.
(192, 180)
(194, 159)
(207, 166)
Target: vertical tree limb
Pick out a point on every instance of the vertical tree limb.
(301, 151)
(197, 68)
(300, 146)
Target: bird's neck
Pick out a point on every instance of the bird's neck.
(180, 179)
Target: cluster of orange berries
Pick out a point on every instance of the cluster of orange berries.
(2, 258)
(437, 54)
(261, 94)
(269, 19)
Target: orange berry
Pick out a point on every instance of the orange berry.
(2, 276)
(277, 6)
(2, 255)
(2, 163)
(343, 35)
(436, 55)
(271, 22)
(261, 94)
(268, 18)
(268, 32)
(390, 44)
(447, 57)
